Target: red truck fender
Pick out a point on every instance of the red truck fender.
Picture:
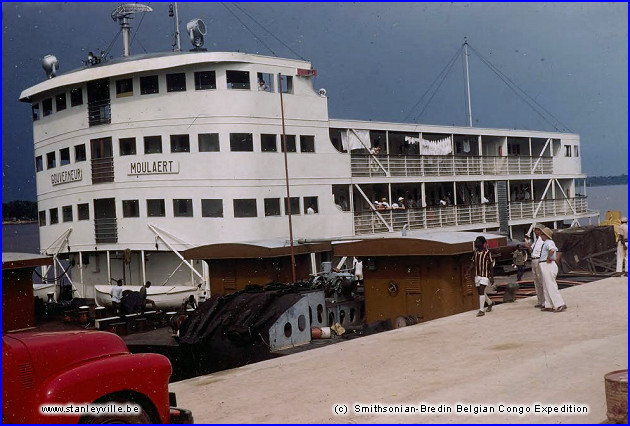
(137, 378)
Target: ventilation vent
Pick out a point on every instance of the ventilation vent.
(25, 371)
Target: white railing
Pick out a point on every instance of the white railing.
(445, 165)
(483, 215)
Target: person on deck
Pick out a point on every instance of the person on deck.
(144, 300)
(116, 294)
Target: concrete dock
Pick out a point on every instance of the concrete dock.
(514, 358)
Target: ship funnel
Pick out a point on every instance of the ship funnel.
(123, 14)
(50, 65)
(196, 30)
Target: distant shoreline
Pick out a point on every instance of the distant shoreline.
(17, 222)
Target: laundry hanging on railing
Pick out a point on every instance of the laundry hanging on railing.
(350, 141)
(429, 147)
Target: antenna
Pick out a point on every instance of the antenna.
(123, 14)
(196, 30)
(470, 120)
(173, 13)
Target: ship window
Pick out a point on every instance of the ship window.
(576, 151)
(286, 82)
(127, 146)
(245, 208)
(290, 139)
(64, 156)
(51, 160)
(180, 143)
(42, 218)
(514, 149)
(335, 139)
(35, 112)
(83, 211)
(182, 208)
(295, 206)
(272, 206)
(39, 163)
(237, 79)
(212, 208)
(60, 100)
(124, 87)
(310, 202)
(47, 106)
(54, 216)
(66, 213)
(153, 144)
(265, 82)
(76, 96)
(79, 153)
(268, 143)
(205, 80)
(149, 85)
(307, 143)
(567, 150)
(241, 142)
(156, 208)
(176, 82)
(208, 142)
(131, 208)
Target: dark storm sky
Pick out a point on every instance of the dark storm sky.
(374, 59)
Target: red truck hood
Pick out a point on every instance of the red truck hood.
(54, 351)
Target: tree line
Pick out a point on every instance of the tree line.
(19, 210)
(606, 180)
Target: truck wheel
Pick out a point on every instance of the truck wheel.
(112, 418)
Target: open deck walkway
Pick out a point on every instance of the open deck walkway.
(515, 355)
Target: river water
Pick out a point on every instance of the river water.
(25, 237)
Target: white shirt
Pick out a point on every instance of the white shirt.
(358, 268)
(310, 210)
(537, 247)
(116, 293)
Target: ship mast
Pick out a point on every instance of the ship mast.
(470, 123)
(286, 174)
(174, 12)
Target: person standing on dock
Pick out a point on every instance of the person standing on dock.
(536, 248)
(622, 248)
(519, 258)
(116, 293)
(483, 264)
(549, 270)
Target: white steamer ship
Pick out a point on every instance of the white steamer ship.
(142, 157)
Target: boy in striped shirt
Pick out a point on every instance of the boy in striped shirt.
(483, 264)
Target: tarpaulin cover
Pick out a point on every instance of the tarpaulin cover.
(228, 331)
(579, 244)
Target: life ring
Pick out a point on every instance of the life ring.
(392, 288)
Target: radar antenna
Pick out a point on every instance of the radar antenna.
(123, 14)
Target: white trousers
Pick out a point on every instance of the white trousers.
(622, 256)
(549, 271)
(538, 281)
